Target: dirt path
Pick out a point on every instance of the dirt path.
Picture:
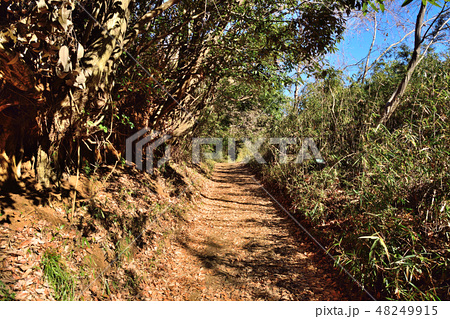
(238, 246)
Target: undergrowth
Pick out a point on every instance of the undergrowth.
(382, 201)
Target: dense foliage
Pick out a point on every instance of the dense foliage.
(81, 76)
(382, 199)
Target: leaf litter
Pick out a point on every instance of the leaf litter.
(138, 237)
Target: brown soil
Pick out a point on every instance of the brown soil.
(237, 245)
(177, 236)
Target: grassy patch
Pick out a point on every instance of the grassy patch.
(124, 249)
(58, 276)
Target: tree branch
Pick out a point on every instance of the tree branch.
(145, 19)
(366, 67)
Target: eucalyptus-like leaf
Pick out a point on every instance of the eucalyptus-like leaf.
(64, 58)
(80, 51)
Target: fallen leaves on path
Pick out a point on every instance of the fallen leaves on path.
(238, 246)
(137, 245)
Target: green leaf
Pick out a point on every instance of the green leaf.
(373, 6)
(406, 3)
(434, 3)
(364, 8)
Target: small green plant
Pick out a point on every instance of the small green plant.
(96, 211)
(84, 242)
(122, 162)
(5, 294)
(124, 249)
(58, 276)
(125, 120)
(87, 168)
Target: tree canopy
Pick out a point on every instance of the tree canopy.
(85, 74)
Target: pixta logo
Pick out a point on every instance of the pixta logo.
(150, 142)
(253, 147)
(145, 142)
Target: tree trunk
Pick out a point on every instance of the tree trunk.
(54, 107)
(394, 100)
(366, 67)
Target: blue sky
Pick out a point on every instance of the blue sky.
(393, 24)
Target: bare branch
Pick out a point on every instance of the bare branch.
(366, 68)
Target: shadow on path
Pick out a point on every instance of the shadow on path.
(248, 247)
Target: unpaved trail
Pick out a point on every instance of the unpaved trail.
(237, 246)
